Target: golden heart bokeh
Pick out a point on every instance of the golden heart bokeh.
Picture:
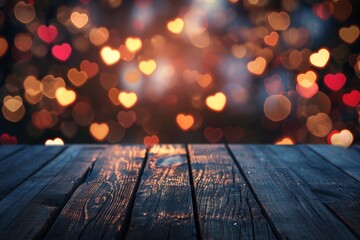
(320, 59)
(127, 99)
(184, 121)
(99, 131)
(257, 66)
(285, 141)
(79, 19)
(344, 138)
(110, 56)
(279, 20)
(216, 102)
(350, 34)
(13, 103)
(65, 97)
(306, 79)
(319, 125)
(24, 12)
(147, 67)
(33, 86)
(134, 44)
(176, 26)
(78, 78)
(54, 142)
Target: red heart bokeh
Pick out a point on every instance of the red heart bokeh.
(213, 135)
(335, 81)
(62, 52)
(91, 68)
(307, 92)
(47, 34)
(351, 99)
(151, 140)
(7, 139)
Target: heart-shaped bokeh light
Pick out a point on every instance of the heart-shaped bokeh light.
(259, 71)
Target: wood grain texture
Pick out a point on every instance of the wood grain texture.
(38, 200)
(98, 207)
(227, 209)
(293, 209)
(337, 190)
(21, 165)
(163, 206)
(346, 159)
(7, 150)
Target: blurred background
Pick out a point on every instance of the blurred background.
(149, 71)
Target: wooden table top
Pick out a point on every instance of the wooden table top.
(196, 191)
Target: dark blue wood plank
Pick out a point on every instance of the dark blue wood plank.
(337, 190)
(98, 208)
(295, 212)
(226, 207)
(18, 167)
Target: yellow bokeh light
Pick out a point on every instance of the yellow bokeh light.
(216, 102)
(79, 20)
(147, 67)
(127, 99)
(110, 56)
(65, 97)
(176, 25)
(134, 44)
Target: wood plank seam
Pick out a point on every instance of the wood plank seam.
(36, 171)
(163, 206)
(98, 207)
(193, 195)
(79, 182)
(336, 214)
(272, 224)
(22, 147)
(338, 167)
(129, 210)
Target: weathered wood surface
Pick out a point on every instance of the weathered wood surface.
(337, 190)
(294, 211)
(346, 159)
(42, 197)
(226, 207)
(98, 207)
(163, 207)
(179, 192)
(8, 150)
(21, 165)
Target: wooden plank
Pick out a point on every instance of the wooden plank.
(227, 209)
(7, 150)
(21, 165)
(293, 210)
(163, 205)
(98, 208)
(32, 216)
(337, 190)
(346, 159)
